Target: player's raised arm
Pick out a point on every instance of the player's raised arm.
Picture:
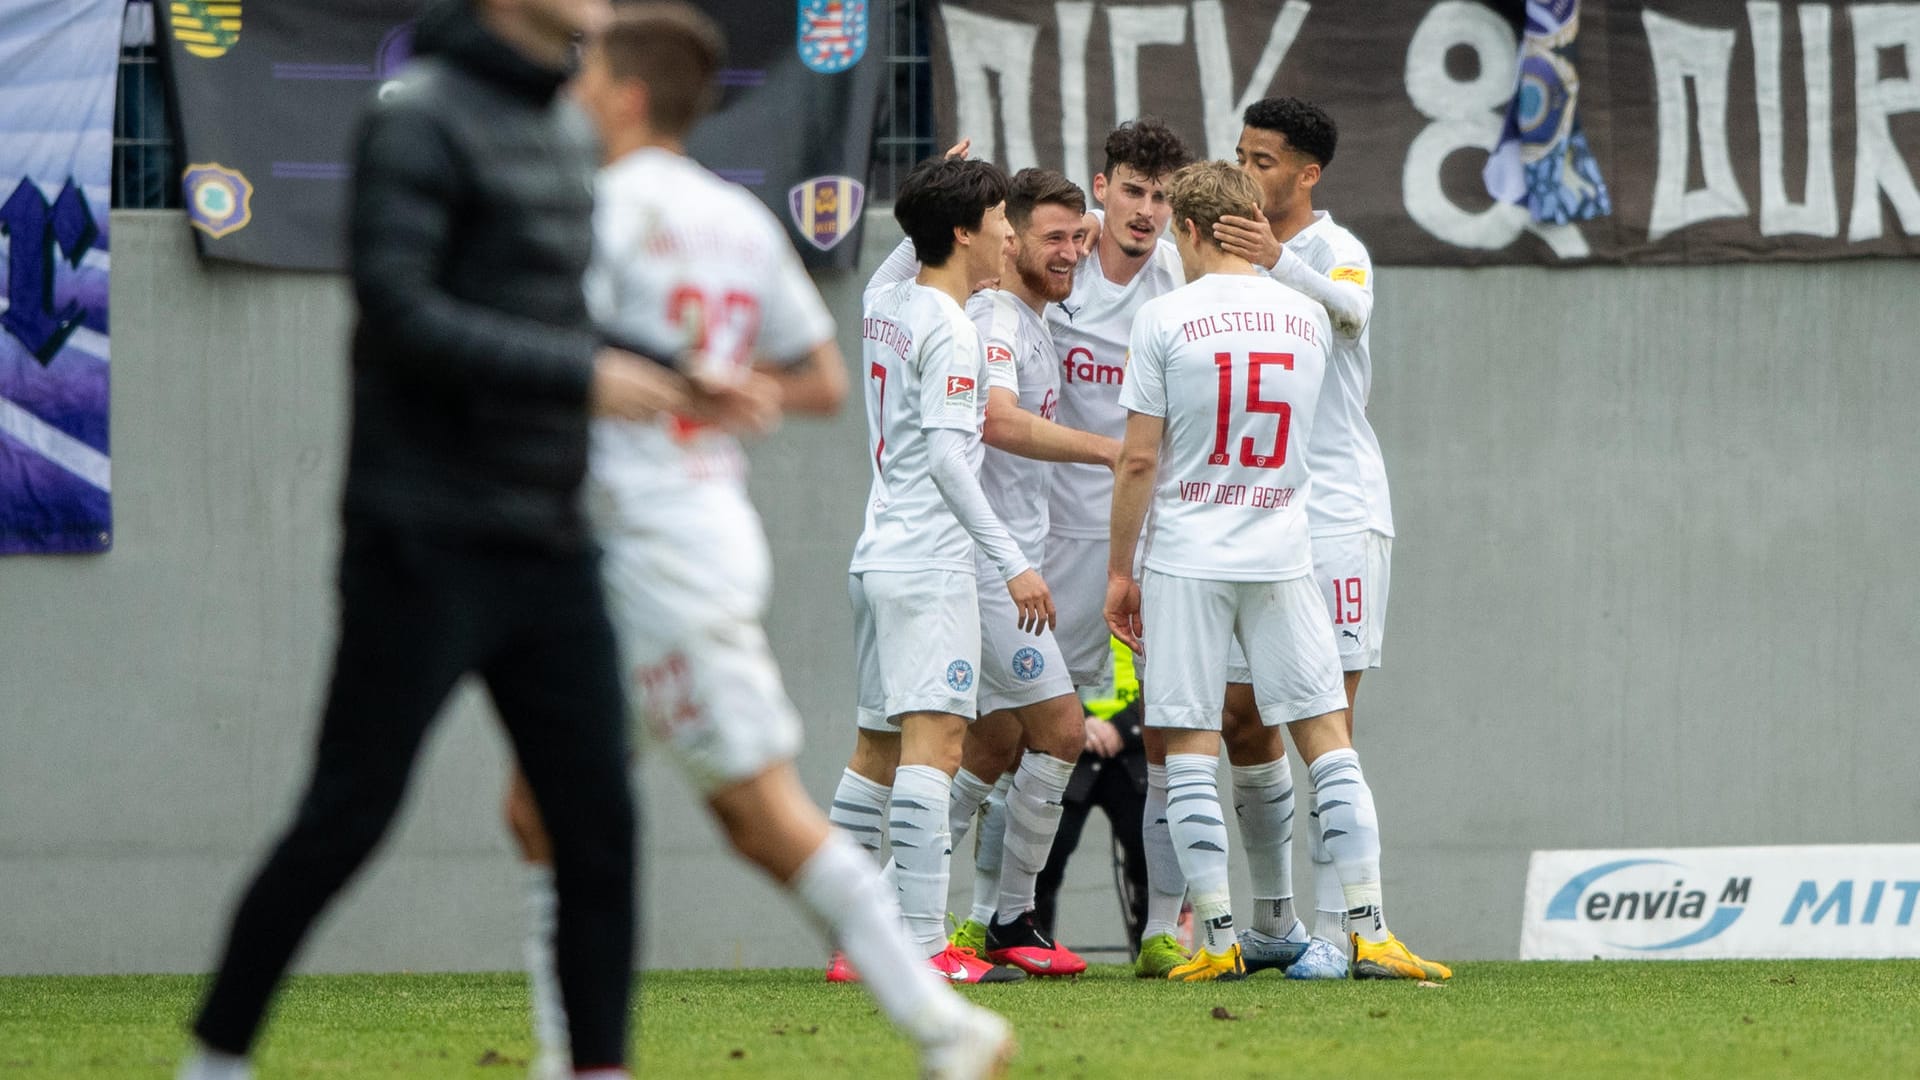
(1133, 479)
(1017, 431)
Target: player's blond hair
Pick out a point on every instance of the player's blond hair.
(1206, 191)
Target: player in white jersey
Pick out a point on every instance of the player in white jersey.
(1131, 262)
(912, 579)
(1284, 146)
(691, 265)
(1223, 379)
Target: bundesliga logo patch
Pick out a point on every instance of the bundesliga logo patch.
(1028, 664)
(959, 392)
(960, 676)
(999, 354)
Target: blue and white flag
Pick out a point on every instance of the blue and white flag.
(58, 62)
(1542, 159)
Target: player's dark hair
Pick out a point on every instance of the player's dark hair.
(1306, 126)
(1148, 147)
(943, 194)
(1041, 187)
(676, 50)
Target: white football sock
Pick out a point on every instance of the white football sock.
(1329, 899)
(989, 853)
(1352, 832)
(1034, 807)
(1200, 842)
(1263, 801)
(860, 808)
(840, 889)
(969, 791)
(204, 1063)
(922, 856)
(1166, 886)
(550, 1037)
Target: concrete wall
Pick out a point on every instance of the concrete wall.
(1654, 584)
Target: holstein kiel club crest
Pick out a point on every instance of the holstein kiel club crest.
(825, 208)
(833, 34)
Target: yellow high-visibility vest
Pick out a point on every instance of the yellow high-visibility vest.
(1124, 689)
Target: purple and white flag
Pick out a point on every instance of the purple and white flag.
(58, 62)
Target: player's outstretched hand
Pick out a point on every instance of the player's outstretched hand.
(1122, 610)
(960, 148)
(1032, 600)
(745, 404)
(631, 387)
(1102, 737)
(1251, 239)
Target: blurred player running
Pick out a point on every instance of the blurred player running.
(1131, 263)
(1224, 375)
(684, 260)
(1284, 146)
(912, 579)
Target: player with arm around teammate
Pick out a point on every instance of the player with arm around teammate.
(685, 261)
(912, 578)
(1284, 145)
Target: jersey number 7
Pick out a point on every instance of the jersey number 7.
(1274, 458)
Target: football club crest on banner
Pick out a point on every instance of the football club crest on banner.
(833, 34)
(207, 29)
(219, 200)
(825, 208)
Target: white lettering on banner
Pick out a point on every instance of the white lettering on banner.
(1877, 164)
(1076, 25)
(978, 44)
(1818, 211)
(1221, 106)
(1702, 55)
(1742, 902)
(1466, 115)
(1130, 29)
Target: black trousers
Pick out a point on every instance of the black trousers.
(1113, 790)
(414, 617)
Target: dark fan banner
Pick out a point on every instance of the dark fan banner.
(270, 94)
(1723, 130)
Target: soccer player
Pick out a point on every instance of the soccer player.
(1131, 263)
(1223, 380)
(687, 261)
(1284, 145)
(912, 578)
(474, 370)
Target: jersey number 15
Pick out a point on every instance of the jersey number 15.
(1223, 420)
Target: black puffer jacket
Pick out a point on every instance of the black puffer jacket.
(472, 358)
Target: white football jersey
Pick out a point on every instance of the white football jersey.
(681, 257)
(1349, 473)
(1234, 363)
(1090, 329)
(924, 369)
(1020, 358)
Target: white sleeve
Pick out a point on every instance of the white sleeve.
(1144, 389)
(794, 319)
(901, 265)
(998, 323)
(1346, 291)
(948, 364)
(947, 454)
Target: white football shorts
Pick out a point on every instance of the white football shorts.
(1353, 571)
(916, 638)
(702, 679)
(1016, 668)
(1076, 572)
(1191, 622)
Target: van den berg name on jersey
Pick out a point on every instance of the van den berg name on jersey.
(887, 334)
(1254, 495)
(1227, 322)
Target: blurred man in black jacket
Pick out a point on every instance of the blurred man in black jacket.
(474, 370)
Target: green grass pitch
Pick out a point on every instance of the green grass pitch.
(1694, 1020)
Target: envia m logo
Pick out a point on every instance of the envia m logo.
(1643, 896)
(39, 234)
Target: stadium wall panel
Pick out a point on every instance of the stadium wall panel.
(1653, 585)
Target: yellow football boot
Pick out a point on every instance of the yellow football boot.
(1211, 967)
(1390, 959)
